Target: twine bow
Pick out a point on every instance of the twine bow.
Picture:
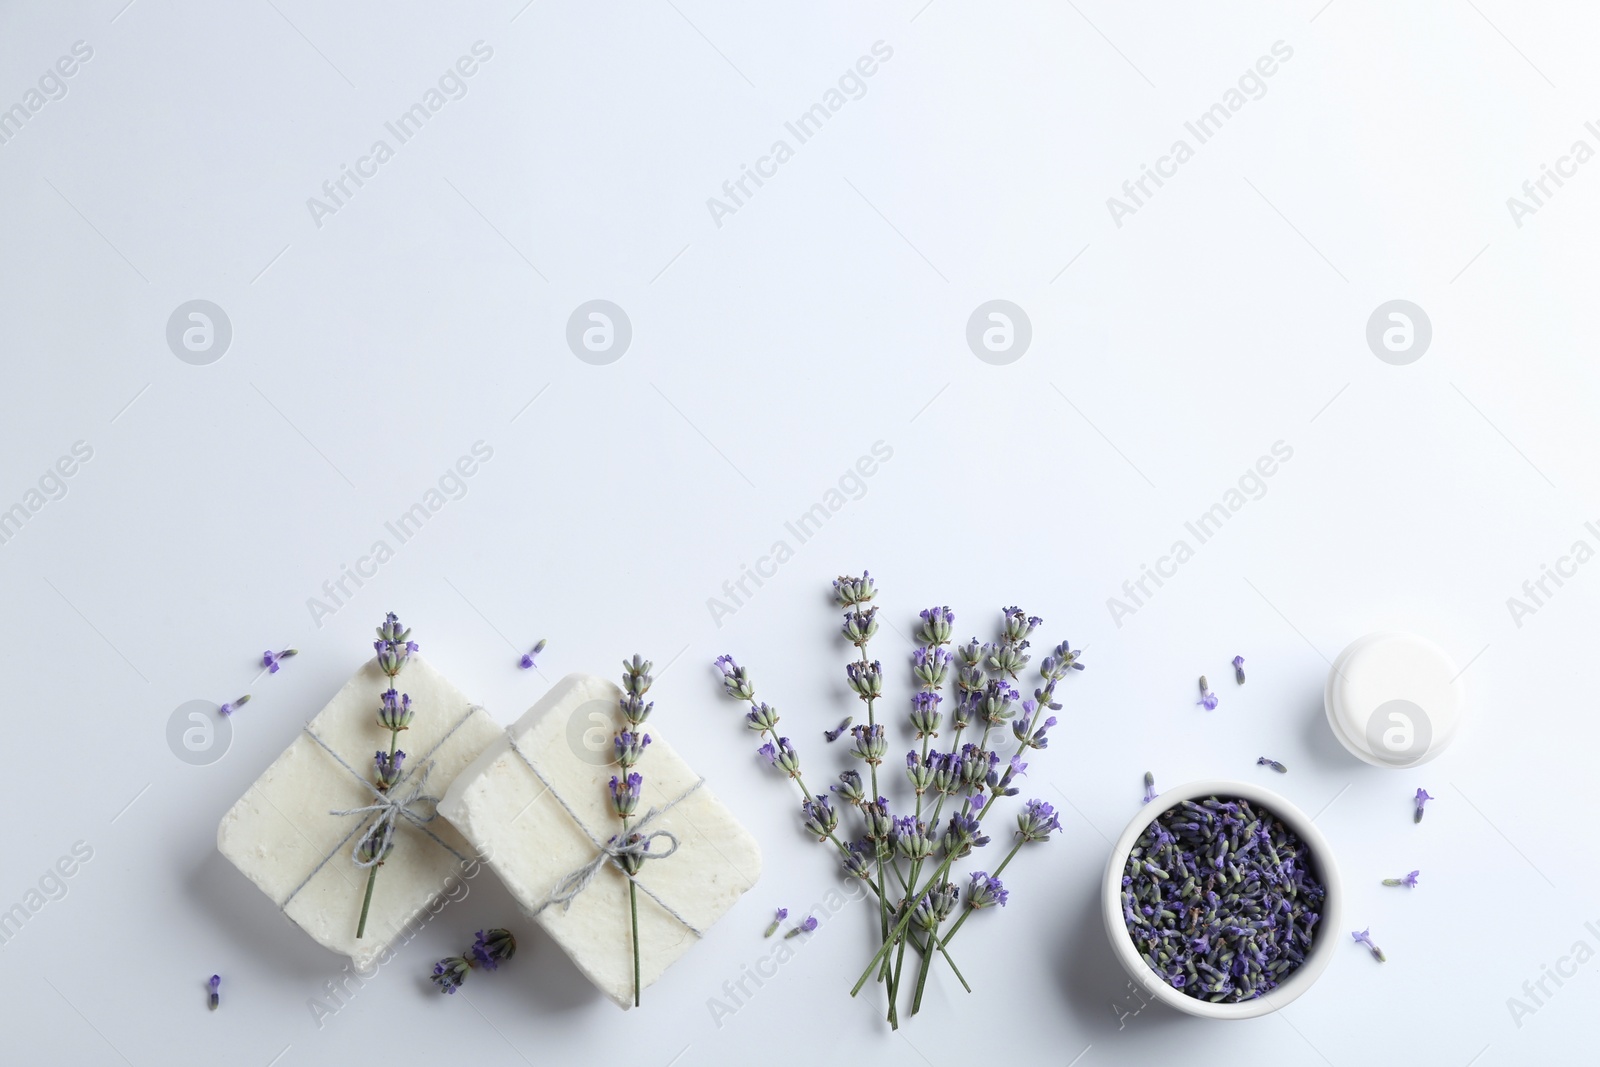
(391, 809)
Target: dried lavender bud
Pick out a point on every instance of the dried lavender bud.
(1149, 787)
(1421, 798)
(971, 655)
(1263, 761)
(835, 734)
(914, 839)
(273, 660)
(1363, 937)
(986, 891)
(1238, 669)
(866, 679)
(527, 660)
(850, 789)
(215, 998)
(1208, 699)
(386, 768)
(1409, 881)
(492, 948)
(820, 817)
(1221, 899)
(394, 645)
(997, 705)
(783, 756)
(860, 626)
(1019, 727)
(879, 821)
(239, 702)
(625, 793)
(858, 857)
(920, 770)
(930, 666)
(1017, 624)
(450, 972)
(936, 906)
(871, 744)
(777, 918)
(629, 747)
(761, 717)
(805, 927)
(1037, 821)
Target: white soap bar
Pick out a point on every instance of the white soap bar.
(530, 839)
(1394, 699)
(283, 836)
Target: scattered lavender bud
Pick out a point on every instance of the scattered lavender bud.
(1421, 798)
(216, 983)
(239, 702)
(1149, 787)
(493, 947)
(805, 927)
(1262, 761)
(1208, 699)
(273, 660)
(527, 660)
(835, 734)
(1409, 881)
(450, 972)
(777, 918)
(1363, 937)
(1238, 669)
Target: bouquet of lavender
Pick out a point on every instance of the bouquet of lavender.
(907, 859)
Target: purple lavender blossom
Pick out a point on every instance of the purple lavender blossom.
(493, 947)
(849, 592)
(931, 666)
(1208, 699)
(394, 711)
(1421, 798)
(986, 891)
(527, 660)
(850, 789)
(1037, 821)
(833, 735)
(1019, 727)
(216, 996)
(858, 857)
(761, 717)
(625, 793)
(1238, 669)
(450, 972)
(820, 818)
(1149, 787)
(782, 756)
(629, 747)
(871, 743)
(1409, 881)
(235, 705)
(925, 714)
(807, 926)
(1364, 937)
(866, 679)
(393, 645)
(936, 626)
(273, 660)
(1274, 764)
(735, 679)
(386, 767)
(860, 626)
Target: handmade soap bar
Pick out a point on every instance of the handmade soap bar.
(535, 804)
(285, 838)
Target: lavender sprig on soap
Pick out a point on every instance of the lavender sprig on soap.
(394, 648)
(626, 789)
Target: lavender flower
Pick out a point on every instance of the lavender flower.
(879, 821)
(805, 927)
(1149, 787)
(936, 626)
(850, 789)
(777, 918)
(394, 645)
(1037, 739)
(782, 756)
(1238, 669)
(866, 679)
(930, 666)
(995, 706)
(1062, 658)
(925, 714)
(394, 713)
(914, 839)
(920, 770)
(273, 660)
(527, 660)
(1000, 783)
(936, 906)
(852, 591)
(833, 735)
(986, 891)
(1274, 764)
(1208, 699)
(946, 770)
(860, 626)
(858, 857)
(1017, 625)
(450, 972)
(636, 680)
(235, 705)
(964, 833)
(1363, 936)
(625, 793)
(761, 717)
(1037, 821)
(374, 849)
(976, 764)
(820, 817)
(871, 744)
(629, 747)
(735, 679)
(971, 654)
(386, 767)
(216, 997)
(1421, 798)
(493, 947)
(1409, 881)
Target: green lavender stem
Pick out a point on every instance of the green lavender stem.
(372, 875)
(633, 906)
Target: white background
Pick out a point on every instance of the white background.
(768, 354)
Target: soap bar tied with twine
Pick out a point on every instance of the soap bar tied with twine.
(630, 849)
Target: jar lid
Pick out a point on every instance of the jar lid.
(1394, 699)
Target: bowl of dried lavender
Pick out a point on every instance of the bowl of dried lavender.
(1220, 900)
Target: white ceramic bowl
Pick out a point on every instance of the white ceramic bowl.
(1322, 945)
